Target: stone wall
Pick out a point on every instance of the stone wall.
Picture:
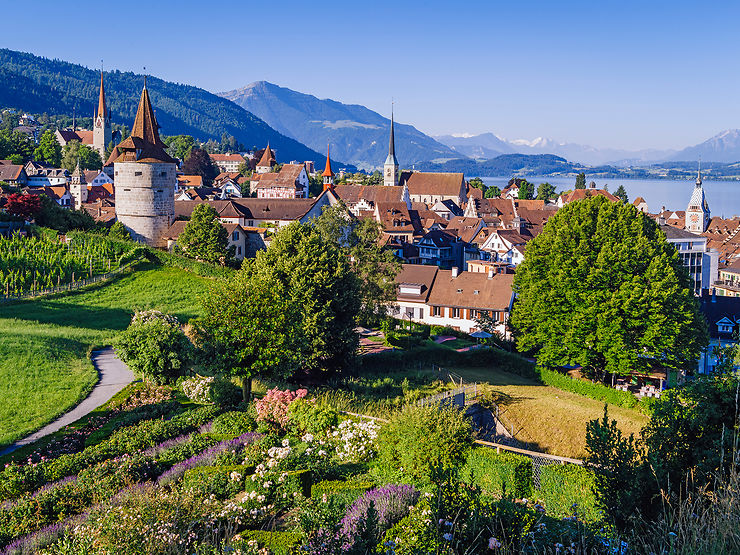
(145, 199)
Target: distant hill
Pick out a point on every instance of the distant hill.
(38, 85)
(488, 145)
(357, 134)
(509, 164)
(723, 147)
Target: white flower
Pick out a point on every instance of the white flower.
(307, 438)
(286, 442)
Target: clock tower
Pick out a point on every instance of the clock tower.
(390, 168)
(102, 133)
(697, 213)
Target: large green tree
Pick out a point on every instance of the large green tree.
(89, 158)
(601, 287)
(621, 194)
(581, 181)
(526, 190)
(204, 238)
(294, 307)
(375, 267)
(545, 191)
(492, 192)
(179, 146)
(199, 162)
(49, 149)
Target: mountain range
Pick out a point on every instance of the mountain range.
(35, 84)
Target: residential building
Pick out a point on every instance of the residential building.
(580, 194)
(60, 194)
(641, 205)
(723, 319)
(701, 262)
(506, 245)
(440, 248)
(431, 188)
(13, 174)
(291, 182)
(728, 284)
(40, 175)
(236, 234)
(414, 283)
(228, 163)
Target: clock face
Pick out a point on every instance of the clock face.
(694, 218)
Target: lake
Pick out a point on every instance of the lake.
(723, 196)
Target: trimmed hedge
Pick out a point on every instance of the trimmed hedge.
(217, 480)
(499, 473)
(441, 356)
(595, 391)
(346, 489)
(296, 480)
(562, 486)
(278, 542)
(233, 423)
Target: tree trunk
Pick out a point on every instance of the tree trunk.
(246, 389)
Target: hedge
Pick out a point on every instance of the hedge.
(278, 542)
(296, 480)
(499, 473)
(344, 488)
(441, 356)
(220, 481)
(595, 391)
(562, 486)
(233, 422)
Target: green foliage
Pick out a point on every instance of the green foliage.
(221, 481)
(16, 146)
(492, 192)
(567, 489)
(88, 157)
(499, 473)
(204, 238)
(614, 460)
(179, 146)
(526, 189)
(154, 346)
(375, 267)
(621, 194)
(54, 216)
(199, 162)
(545, 192)
(310, 417)
(477, 182)
(602, 288)
(278, 542)
(348, 490)
(119, 232)
(233, 423)
(597, 391)
(581, 181)
(423, 441)
(49, 149)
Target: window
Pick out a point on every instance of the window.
(163, 174)
(437, 311)
(724, 328)
(476, 292)
(238, 250)
(137, 174)
(235, 235)
(455, 312)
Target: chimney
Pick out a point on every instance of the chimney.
(490, 273)
(454, 271)
(661, 220)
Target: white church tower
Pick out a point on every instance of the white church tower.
(390, 168)
(102, 133)
(697, 213)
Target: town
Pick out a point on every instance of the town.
(218, 347)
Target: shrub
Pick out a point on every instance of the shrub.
(209, 389)
(278, 542)
(273, 407)
(235, 423)
(424, 440)
(308, 417)
(568, 489)
(295, 481)
(155, 346)
(378, 509)
(342, 488)
(356, 441)
(220, 481)
(499, 473)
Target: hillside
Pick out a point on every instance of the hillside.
(37, 84)
(723, 147)
(506, 165)
(357, 134)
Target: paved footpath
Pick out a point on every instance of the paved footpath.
(113, 376)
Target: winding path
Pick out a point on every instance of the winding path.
(113, 376)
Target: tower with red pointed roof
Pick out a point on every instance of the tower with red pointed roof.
(266, 162)
(328, 175)
(145, 177)
(102, 133)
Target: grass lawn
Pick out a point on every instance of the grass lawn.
(549, 419)
(44, 343)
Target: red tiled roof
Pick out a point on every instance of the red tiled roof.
(472, 290)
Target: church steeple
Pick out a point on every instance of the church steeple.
(390, 168)
(328, 175)
(697, 212)
(102, 132)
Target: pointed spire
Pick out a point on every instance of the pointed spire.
(78, 176)
(145, 125)
(267, 157)
(327, 171)
(698, 175)
(102, 110)
(391, 142)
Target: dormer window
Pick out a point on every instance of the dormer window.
(724, 328)
(459, 290)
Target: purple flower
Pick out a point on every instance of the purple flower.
(31, 543)
(157, 449)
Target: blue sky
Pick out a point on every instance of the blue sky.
(650, 74)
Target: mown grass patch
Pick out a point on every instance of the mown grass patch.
(45, 343)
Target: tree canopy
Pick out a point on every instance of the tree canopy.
(199, 162)
(621, 194)
(204, 238)
(601, 287)
(49, 149)
(492, 192)
(293, 307)
(89, 158)
(545, 192)
(581, 181)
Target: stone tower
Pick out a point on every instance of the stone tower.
(102, 135)
(78, 186)
(697, 213)
(328, 175)
(390, 168)
(266, 162)
(145, 178)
